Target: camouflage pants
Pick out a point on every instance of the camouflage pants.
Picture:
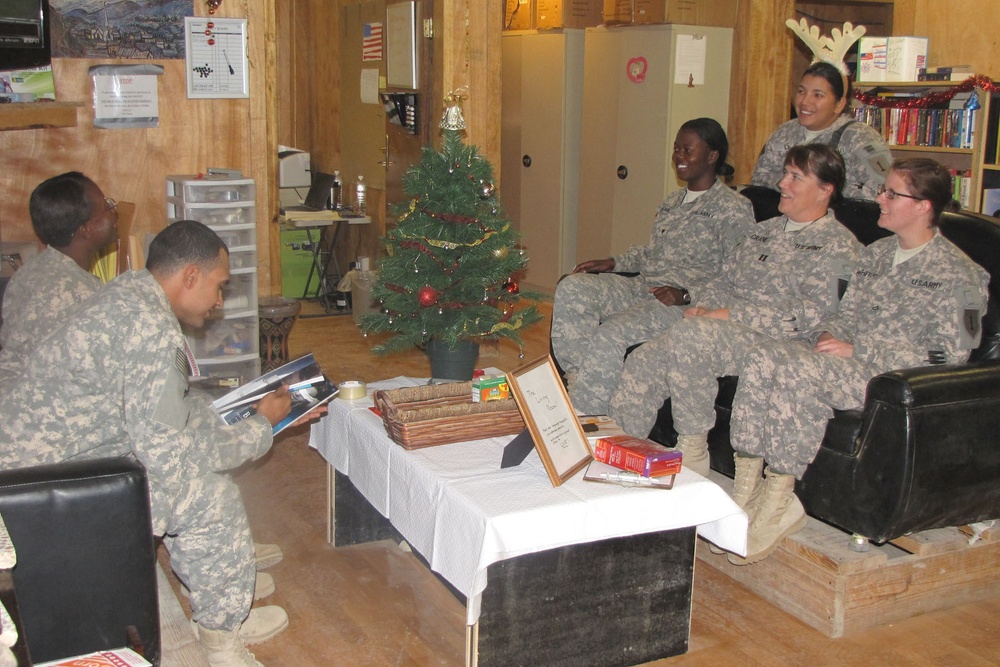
(208, 537)
(682, 364)
(595, 319)
(786, 395)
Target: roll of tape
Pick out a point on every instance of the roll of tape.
(352, 389)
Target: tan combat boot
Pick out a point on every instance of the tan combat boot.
(695, 451)
(778, 514)
(267, 555)
(748, 481)
(263, 623)
(225, 648)
(747, 484)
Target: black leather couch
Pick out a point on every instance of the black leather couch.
(85, 577)
(923, 452)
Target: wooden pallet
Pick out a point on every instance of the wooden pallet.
(816, 577)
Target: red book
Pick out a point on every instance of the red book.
(638, 455)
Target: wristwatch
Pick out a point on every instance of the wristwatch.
(685, 297)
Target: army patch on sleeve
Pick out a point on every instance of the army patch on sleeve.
(970, 316)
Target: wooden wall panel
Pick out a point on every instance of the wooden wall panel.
(956, 31)
(467, 33)
(760, 93)
(132, 164)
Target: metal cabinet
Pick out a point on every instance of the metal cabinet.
(641, 84)
(542, 103)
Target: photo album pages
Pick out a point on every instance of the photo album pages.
(308, 386)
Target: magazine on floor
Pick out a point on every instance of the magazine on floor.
(308, 387)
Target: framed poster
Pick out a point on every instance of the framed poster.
(401, 45)
(550, 418)
(216, 57)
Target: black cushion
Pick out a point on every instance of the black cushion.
(86, 557)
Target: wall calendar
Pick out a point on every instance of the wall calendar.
(216, 57)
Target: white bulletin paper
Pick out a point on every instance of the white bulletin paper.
(690, 57)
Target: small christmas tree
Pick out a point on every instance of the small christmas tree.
(451, 260)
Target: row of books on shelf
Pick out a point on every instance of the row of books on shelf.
(939, 128)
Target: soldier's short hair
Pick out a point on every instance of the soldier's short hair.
(823, 162)
(928, 180)
(711, 132)
(182, 243)
(59, 206)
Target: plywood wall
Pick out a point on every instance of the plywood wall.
(132, 164)
(960, 32)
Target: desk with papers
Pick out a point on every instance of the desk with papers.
(585, 573)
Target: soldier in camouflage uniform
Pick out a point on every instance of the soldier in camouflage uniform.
(596, 317)
(915, 299)
(819, 104)
(113, 381)
(69, 214)
(782, 280)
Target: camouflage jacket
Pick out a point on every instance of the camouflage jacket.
(113, 380)
(782, 283)
(42, 294)
(865, 154)
(690, 241)
(926, 310)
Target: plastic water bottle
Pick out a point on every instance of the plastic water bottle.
(337, 193)
(360, 198)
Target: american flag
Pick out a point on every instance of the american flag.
(371, 43)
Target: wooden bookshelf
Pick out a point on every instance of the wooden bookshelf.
(37, 115)
(971, 159)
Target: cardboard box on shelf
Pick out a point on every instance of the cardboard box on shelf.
(618, 12)
(720, 13)
(891, 58)
(519, 15)
(567, 14)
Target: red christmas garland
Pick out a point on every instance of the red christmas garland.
(934, 99)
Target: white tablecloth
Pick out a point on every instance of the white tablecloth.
(462, 512)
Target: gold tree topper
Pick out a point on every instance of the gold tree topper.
(453, 119)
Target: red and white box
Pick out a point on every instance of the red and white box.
(645, 457)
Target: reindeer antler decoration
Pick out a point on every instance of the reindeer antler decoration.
(826, 49)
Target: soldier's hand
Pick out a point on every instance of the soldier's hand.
(668, 295)
(595, 266)
(311, 416)
(276, 405)
(827, 344)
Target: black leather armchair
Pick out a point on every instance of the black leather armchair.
(922, 452)
(85, 576)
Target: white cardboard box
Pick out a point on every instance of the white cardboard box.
(891, 58)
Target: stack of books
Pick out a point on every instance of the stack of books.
(626, 460)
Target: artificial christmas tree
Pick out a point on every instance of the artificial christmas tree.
(448, 276)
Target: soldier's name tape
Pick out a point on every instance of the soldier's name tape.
(352, 389)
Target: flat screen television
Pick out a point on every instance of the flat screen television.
(24, 34)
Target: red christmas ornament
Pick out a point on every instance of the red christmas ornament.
(427, 296)
(511, 287)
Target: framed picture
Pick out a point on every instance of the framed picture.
(550, 418)
(216, 57)
(401, 56)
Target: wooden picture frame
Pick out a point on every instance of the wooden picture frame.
(550, 418)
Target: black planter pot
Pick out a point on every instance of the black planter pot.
(456, 363)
